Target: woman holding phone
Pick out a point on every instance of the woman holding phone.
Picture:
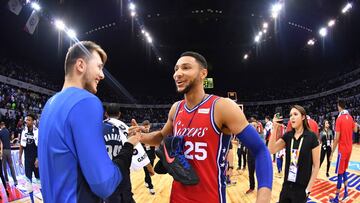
(327, 138)
(302, 156)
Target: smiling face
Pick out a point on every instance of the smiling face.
(296, 118)
(93, 72)
(188, 74)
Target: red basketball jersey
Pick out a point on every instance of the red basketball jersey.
(205, 147)
(345, 126)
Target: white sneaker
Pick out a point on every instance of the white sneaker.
(146, 185)
(152, 191)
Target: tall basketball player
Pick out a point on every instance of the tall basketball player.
(344, 129)
(206, 122)
(73, 161)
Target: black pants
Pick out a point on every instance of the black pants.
(251, 167)
(147, 175)
(2, 177)
(293, 193)
(30, 168)
(241, 153)
(326, 151)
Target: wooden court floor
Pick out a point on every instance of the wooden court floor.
(323, 189)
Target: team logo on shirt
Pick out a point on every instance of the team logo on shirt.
(180, 129)
(29, 138)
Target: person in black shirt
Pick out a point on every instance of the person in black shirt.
(302, 156)
(241, 153)
(117, 143)
(326, 138)
(148, 169)
(28, 143)
(1, 152)
(6, 153)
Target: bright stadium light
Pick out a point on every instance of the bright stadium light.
(311, 42)
(257, 39)
(35, 6)
(132, 13)
(149, 39)
(265, 31)
(346, 8)
(323, 32)
(71, 33)
(331, 23)
(260, 33)
(59, 24)
(159, 58)
(275, 10)
(132, 6)
(274, 15)
(265, 25)
(276, 7)
(246, 56)
(143, 31)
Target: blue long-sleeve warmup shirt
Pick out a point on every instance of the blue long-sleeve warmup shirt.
(73, 162)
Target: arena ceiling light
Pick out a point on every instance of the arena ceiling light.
(257, 39)
(346, 8)
(149, 39)
(132, 6)
(311, 42)
(265, 25)
(275, 10)
(59, 24)
(246, 56)
(133, 13)
(323, 32)
(71, 33)
(331, 23)
(159, 58)
(35, 6)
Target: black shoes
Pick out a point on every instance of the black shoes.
(173, 160)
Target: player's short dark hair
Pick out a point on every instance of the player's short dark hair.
(253, 117)
(267, 117)
(145, 122)
(198, 57)
(112, 109)
(32, 116)
(77, 51)
(341, 103)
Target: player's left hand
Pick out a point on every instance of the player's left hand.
(36, 163)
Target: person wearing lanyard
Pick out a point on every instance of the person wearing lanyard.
(326, 137)
(302, 156)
